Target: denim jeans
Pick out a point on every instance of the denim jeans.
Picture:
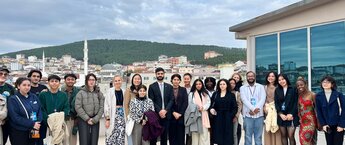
(253, 126)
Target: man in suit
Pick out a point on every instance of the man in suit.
(161, 94)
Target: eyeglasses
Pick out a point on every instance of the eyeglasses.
(326, 82)
(3, 74)
(35, 76)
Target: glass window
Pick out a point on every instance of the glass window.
(266, 56)
(294, 54)
(328, 53)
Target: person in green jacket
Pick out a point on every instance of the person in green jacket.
(54, 100)
(71, 91)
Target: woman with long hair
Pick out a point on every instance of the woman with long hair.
(114, 114)
(223, 110)
(272, 134)
(237, 117)
(25, 115)
(286, 99)
(199, 100)
(89, 105)
(330, 105)
(306, 113)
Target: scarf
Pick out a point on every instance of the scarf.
(204, 114)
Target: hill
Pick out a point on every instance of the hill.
(104, 51)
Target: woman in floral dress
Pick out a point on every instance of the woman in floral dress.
(307, 114)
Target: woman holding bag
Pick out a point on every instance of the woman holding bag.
(24, 110)
(114, 114)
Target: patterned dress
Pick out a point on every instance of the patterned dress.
(307, 132)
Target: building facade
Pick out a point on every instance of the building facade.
(304, 39)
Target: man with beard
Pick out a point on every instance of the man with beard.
(253, 96)
(161, 94)
(6, 90)
(36, 88)
(71, 91)
(35, 76)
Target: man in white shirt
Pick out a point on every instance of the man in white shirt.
(253, 96)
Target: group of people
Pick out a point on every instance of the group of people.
(204, 112)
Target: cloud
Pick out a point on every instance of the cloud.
(40, 23)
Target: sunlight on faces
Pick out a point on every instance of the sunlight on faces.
(24, 87)
(35, 78)
(117, 82)
(3, 76)
(271, 78)
(137, 80)
(142, 93)
(282, 81)
(186, 80)
(232, 84)
(222, 86)
(198, 85)
(176, 82)
(326, 84)
(54, 84)
(160, 75)
(70, 81)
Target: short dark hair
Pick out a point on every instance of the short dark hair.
(142, 87)
(70, 75)
(188, 74)
(210, 79)
(174, 76)
(54, 77)
(330, 79)
(35, 71)
(158, 69)
(20, 80)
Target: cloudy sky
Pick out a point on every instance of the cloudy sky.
(26, 24)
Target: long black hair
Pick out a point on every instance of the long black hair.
(203, 89)
(133, 87)
(275, 75)
(228, 87)
(285, 78)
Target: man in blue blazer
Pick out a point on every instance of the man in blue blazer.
(161, 94)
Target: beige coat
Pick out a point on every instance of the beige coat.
(110, 109)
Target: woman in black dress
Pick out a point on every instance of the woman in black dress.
(223, 110)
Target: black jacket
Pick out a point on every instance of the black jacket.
(180, 104)
(291, 101)
(156, 97)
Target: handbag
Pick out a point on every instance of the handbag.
(33, 134)
(129, 125)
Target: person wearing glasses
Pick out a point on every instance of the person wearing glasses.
(6, 90)
(330, 106)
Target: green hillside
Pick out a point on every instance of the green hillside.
(129, 51)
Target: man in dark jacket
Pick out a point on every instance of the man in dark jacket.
(161, 94)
